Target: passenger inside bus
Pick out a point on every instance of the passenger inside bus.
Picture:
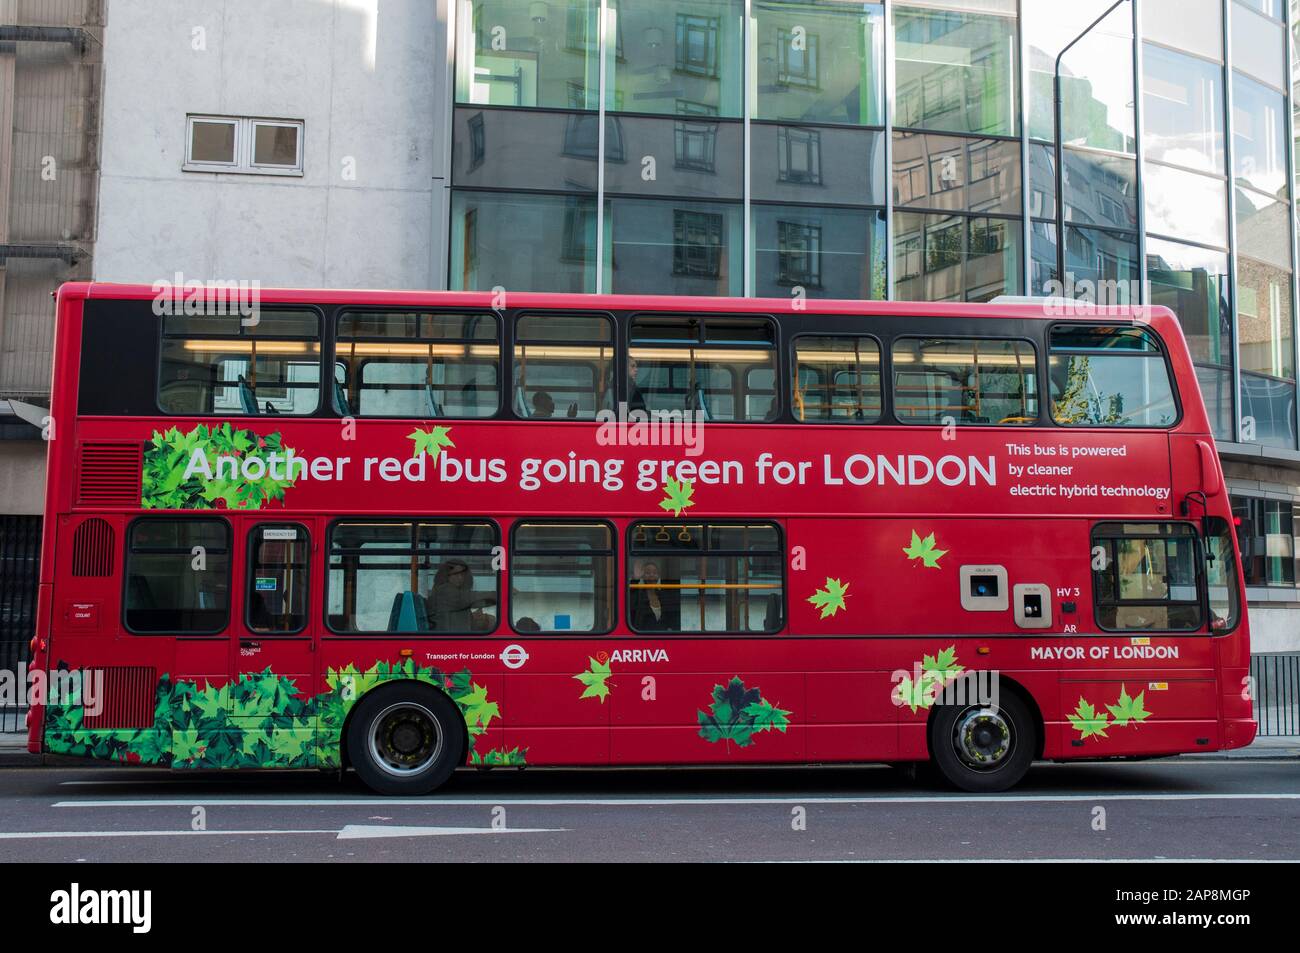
(654, 609)
(543, 405)
(453, 606)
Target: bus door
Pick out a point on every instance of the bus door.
(1157, 692)
(562, 604)
(274, 639)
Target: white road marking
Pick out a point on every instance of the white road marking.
(660, 802)
(360, 831)
(348, 832)
(1044, 860)
(44, 835)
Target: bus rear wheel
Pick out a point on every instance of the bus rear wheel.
(981, 748)
(405, 739)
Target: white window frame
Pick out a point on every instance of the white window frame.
(245, 144)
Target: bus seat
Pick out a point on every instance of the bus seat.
(409, 613)
(435, 409)
(247, 399)
(341, 399)
(521, 402)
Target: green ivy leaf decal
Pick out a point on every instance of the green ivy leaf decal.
(1129, 709)
(924, 550)
(677, 496)
(1088, 721)
(594, 680)
(259, 720)
(830, 599)
(167, 456)
(430, 441)
(502, 757)
(479, 712)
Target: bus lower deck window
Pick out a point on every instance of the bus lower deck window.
(562, 578)
(1146, 578)
(279, 574)
(430, 576)
(177, 576)
(693, 577)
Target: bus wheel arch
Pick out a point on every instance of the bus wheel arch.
(985, 748)
(404, 737)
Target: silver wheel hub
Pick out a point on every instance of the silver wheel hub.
(982, 738)
(405, 739)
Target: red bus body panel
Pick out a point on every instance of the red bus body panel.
(835, 676)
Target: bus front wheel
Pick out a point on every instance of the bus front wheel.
(405, 739)
(983, 748)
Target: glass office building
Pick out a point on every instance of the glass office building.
(899, 150)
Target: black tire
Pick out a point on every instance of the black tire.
(406, 739)
(980, 749)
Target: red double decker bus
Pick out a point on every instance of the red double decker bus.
(406, 532)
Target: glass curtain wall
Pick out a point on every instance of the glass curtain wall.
(755, 147)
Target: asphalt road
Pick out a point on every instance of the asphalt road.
(1191, 809)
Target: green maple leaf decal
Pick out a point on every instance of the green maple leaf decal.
(288, 744)
(831, 598)
(738, 713)
(677, 496)
(944, 665)
(186, 745)
(1129, 709)
(478, 710)
(1088, 721)
(914, 694)
(924, 550)
(430, 441)
(767, 716)
(594, 679)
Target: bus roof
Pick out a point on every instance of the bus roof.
(1048, 309)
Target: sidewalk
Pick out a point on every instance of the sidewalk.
(14, 753)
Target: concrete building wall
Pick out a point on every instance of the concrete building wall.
(22, 478)
(362, 76)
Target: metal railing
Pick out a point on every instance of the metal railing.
(13, 707)
(1275, 686)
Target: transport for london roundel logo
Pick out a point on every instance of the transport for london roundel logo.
(514, 656)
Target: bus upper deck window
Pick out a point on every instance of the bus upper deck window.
(218, 364)
(416, 364)
(1109, 377)
(723, 369)
(836, 380)
(965, 381)
(564, 366)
